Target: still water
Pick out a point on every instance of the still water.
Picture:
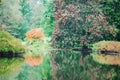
(57, 65)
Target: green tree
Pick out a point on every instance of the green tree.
(48, 20)
(26, 10)
(111, 9)
(10, 15)
(26, 22)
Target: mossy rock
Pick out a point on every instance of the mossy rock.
(107, 58)
(8, 43)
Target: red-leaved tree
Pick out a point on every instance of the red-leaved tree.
(79, 23)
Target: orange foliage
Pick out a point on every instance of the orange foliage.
(34, 60)
(35, 34)
(108, 45)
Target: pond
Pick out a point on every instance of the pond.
(28, 68)
(57, 65)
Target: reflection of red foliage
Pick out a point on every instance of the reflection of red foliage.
(34, 60)
(35, 34)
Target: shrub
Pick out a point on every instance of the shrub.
(35, 34)
(107, 45)
(9, 43)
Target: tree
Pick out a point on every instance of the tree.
(112, 12)
(25, 24)
(79, 23)
(26, 11)
(48, 20)
(10, 16)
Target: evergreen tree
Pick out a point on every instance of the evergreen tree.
(26, 22)
(111, 9)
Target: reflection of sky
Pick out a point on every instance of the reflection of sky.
(38, 2)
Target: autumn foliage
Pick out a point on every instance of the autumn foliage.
(80, 23)
(34, 60)
(107, 45)
(35, 34)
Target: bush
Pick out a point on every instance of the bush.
(9, 43)
(107, 45)
(34, 41)
(35, 34)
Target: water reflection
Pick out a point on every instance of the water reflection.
(34, 59)
(58, 65)
(9, 68)
(72, 65)
(36, 72)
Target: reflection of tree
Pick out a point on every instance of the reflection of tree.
(71, 65)
(36, 72)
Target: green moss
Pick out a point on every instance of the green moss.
(8, 43)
